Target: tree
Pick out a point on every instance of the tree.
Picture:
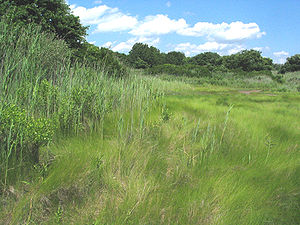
(292, 64)
(207, 59)
(175, 58)
(143, 55)
(104, 58)
(52, 15)
(248, 60)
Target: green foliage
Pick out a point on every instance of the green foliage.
(176, 58)
(101, 58)
(278, 78)
(188, 70)
(43, 93)
(143, 56)
(292, 64)
(52, 15)
(207, 59)
(140, 64)
(247, 60)
(196, 160)
(21, 136)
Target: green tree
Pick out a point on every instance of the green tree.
(248, 60)
(207, 59)
(104, 58)
(292, 64)
(52, 15)
(175, 58)
(143, 56)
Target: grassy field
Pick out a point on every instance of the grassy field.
(79, 145)
(200, 155)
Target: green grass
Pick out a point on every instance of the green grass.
(45, 97)
(264, 80)
(140, 150)
(188, 160)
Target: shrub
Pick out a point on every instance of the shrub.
(188, 70)
(100, 58)
(21, 136)
(19, 130)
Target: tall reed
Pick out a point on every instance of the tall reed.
(43, 93)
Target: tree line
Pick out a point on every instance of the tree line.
(144, 56)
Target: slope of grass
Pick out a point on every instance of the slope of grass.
(139, 150)
(200, 156)
(44, 97)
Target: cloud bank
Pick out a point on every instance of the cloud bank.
(224, 38)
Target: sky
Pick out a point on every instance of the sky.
(194, 26)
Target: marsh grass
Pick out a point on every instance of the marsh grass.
(45, 97)
(207, 163)
(264, 80)
(139, 150)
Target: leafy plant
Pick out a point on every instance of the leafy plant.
(21, 136)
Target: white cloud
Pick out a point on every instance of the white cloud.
(107, 44)
(116, 22)
(127, 45)
(223, 32)
(224, 38)
(221, 48)
(106, 18)
(92, 15)
(110, 19)
(158, 25)
(258, 48)
(168, 4)
(280, 54)
(233, 50)
(280, 57)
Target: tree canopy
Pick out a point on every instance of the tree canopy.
(52, 15)
(292, 64)
(143, 56)
(207, 58)
(248, 60)
(176, 58)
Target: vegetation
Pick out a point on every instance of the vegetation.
(52, 15)
(86, 140)
(292, 64)
(42, 93)
(192, 159)
(142, 56)
(101, 58)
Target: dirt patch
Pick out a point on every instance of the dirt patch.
(250, 91)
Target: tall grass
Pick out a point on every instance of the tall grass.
(190, 160)
(43, 96)
(263, 80)
(187, 157)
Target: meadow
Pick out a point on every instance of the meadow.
(79, 146)
(200, 155)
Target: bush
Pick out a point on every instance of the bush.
(100, 58)
(244, 74)
(21, 136)
(292, 64)
(188, 70)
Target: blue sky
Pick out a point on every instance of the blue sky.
(192, 27)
